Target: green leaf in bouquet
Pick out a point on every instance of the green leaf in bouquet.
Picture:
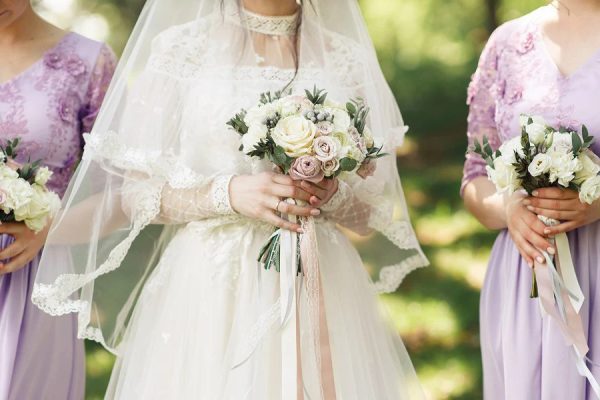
(587, 138)
(238, 124)
(317, 96)
(351, 108)
(576, 143)
(347, 164)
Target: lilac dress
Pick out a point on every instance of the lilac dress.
(525, 356)
(48, 106)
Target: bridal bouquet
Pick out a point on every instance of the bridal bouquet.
(309, 138)
(24, 196)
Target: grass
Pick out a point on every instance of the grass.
(436, 309)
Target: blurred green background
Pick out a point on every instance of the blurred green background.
(428, 50)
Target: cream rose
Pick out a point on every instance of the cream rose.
(326, 148)
(590, 190)
(331, 166)
(295, 135)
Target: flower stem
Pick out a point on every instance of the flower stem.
(534, 287)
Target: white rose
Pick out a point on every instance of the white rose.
(590, 190)
(42, 176)
(536, 132)
(504, 176)
(295, 134)
(540, 164)
(341, 119)
(508, 149)
(255, 134)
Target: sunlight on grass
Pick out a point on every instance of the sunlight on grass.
(99, 362)
(431, 320)
(464, 263)
(445, 226)
(447, 378)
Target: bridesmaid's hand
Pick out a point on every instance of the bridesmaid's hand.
(526, 230)
(26, 246)
(320, 192)
(260, 197)
(563, 205)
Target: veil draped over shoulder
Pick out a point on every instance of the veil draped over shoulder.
(160, 143)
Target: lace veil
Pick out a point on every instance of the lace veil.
(160, 154)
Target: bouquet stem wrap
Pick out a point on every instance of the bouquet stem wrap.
(561, 298)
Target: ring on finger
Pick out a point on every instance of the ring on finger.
(277, 205)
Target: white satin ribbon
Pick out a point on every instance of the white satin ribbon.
(567, 271)
(287, 287)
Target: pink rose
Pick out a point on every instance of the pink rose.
(307, 168)
(324, 128)
(326, 148)
(367, 169)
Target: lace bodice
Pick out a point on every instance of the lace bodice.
(515, 76)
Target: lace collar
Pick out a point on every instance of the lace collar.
(270, 25)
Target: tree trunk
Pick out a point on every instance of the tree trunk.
(492, 14)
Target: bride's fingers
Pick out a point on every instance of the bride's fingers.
(273, 219)
(302, 211)
(554, 204)
(562, 228)
(314, 189)
(293, 192)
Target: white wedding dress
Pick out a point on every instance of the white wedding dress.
(163, 272)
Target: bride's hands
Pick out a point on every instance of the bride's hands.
(320, 192)
(25, 247)
(563, 205)
(258, 196)
(526, 230)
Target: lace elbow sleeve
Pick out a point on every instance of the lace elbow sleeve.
(347, 210)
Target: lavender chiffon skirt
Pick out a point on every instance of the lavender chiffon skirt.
(40, 356)
(525, 357)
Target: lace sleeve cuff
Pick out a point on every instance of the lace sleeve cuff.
(339, 198)
(220, 195)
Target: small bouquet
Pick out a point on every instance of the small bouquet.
(309, 138)
(544, 157)
(547, 157)
(24, 196)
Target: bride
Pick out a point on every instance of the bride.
(156, 245)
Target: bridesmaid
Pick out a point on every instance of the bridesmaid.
(51, 86)
(546, 63)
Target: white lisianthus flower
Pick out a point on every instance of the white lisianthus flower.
(563, 168)
(42, 205)
(255, 134)
(590, 190)
(536, 132)
(290, 105)
(259, 114)
(561, 143)
(504, 176)
(540, 164)
(19, 193)
(295, 134)
(508, 149)
(42, 176)
(589, 167)
(341, 120)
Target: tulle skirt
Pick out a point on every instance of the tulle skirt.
(203, 302)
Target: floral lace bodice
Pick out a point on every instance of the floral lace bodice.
(54, 101)
(516, 75)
